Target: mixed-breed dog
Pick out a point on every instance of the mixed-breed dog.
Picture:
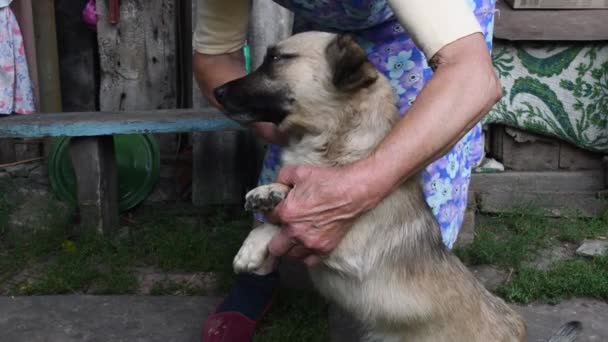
(391, 271)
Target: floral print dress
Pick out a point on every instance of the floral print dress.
(16, 91)
(392, 51)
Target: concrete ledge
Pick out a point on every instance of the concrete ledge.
(542, 319)
(103, 318)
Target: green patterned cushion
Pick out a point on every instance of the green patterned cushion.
(555, 89)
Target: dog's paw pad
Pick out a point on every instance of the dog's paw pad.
(263, 200)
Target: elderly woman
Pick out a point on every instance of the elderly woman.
(436, 55)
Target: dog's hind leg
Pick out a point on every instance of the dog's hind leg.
(253, 257)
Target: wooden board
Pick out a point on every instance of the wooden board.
(77, 47)
(47, 55)
(559, 193)
(138, 60)
(97, 177)
(107, 123)
(570, 25)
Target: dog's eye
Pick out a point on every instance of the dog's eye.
(277, 57)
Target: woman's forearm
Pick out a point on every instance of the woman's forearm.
(462, 90)
(212, 71)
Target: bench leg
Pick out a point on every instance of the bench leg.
(97, 179)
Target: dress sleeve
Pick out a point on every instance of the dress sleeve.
(221, 26)
(433, 24)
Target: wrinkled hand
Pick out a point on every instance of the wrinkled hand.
(320, 209)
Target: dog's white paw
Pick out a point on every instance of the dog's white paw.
(265, 197)
(253, 257)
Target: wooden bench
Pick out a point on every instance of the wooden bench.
(92, 148)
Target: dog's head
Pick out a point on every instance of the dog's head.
(305, 71)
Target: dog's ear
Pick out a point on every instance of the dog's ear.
(350, 66)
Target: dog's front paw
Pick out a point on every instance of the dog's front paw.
(265, 197)
(253, 257)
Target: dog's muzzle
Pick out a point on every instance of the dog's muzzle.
(237, 114)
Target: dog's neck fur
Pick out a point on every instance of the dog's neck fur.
(350, 132)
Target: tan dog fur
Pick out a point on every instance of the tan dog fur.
(391, 271)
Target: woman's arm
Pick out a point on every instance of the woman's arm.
(211, 71)
(319, 210)
(462, 90)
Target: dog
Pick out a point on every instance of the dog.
(391, 271)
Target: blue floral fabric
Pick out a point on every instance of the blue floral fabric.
(392, 51)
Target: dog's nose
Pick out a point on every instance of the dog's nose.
(220, 94)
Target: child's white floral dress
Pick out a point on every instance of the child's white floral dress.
(16, 90)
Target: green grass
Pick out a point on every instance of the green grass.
(168, 287)
(206, 246)
(93, 265)
(166, 240)
(511, 241)
(572, 278)
(18, 250)
(102, 266)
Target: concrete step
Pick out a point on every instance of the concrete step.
(542, 320)
(73, 318)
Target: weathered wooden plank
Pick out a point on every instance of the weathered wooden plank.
(557, 204)
(77, 124)
(539, 181)
(138, 59)
(77, 49)
(46, 51)
(557, 192)
(137, 56)
(522, 151)
(49, 83)
(7, 151)
(574, 158)
(97, 179)
(573, 25)
(27, 149)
